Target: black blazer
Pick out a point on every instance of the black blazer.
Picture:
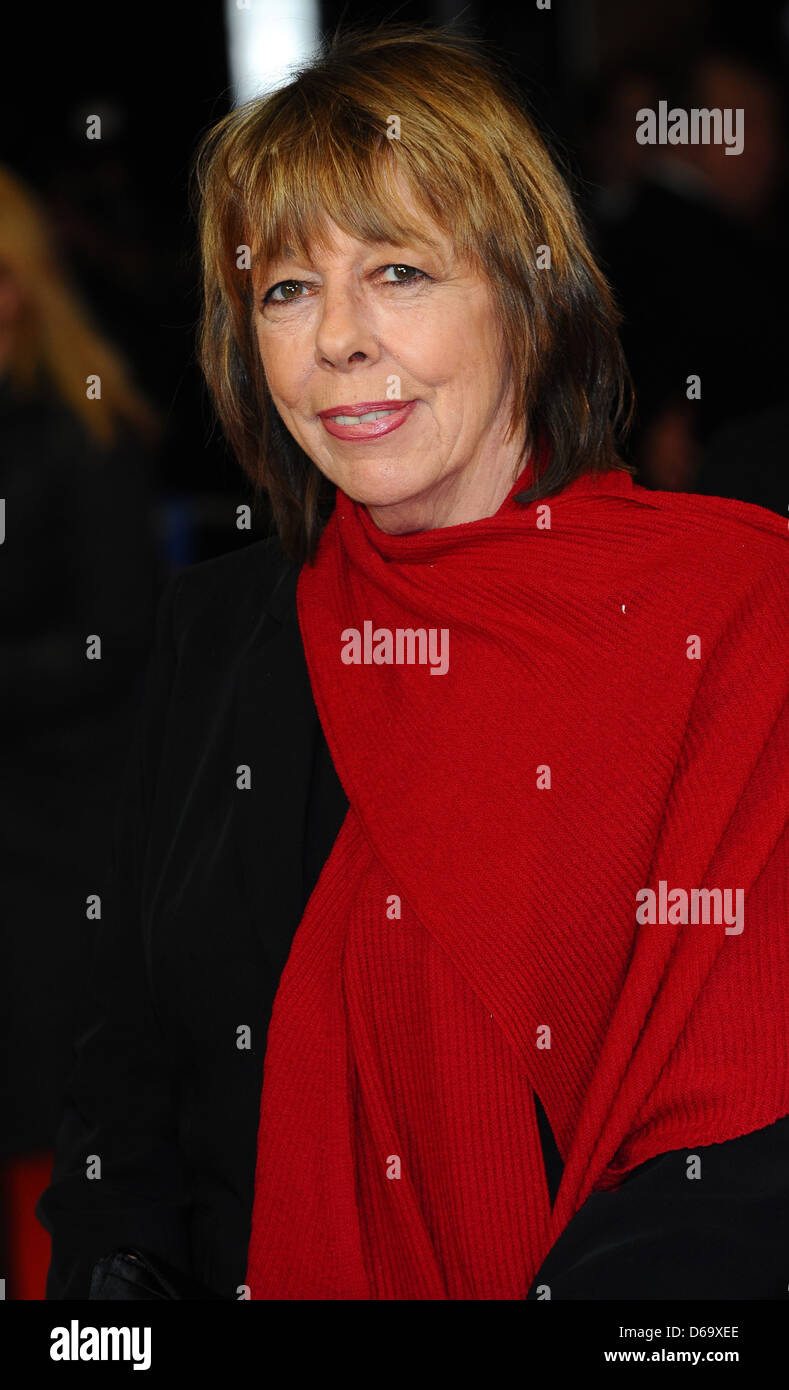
(206, 889)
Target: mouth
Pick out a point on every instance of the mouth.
(367, 420)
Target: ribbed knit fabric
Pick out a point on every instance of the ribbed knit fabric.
(614, 715)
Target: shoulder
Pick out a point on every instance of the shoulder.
(223, 598)
(717, 564)
(723, 542)
(736, 542)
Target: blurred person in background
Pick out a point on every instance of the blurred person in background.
(747, 460)
(698, 266)
(614, 161)
(79, 560)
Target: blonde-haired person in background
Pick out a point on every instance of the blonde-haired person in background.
(48, 344)
(378, 1013)
(78, 558)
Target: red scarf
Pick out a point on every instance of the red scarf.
(613, 717)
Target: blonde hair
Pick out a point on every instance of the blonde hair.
(272, 171)
(55, 345)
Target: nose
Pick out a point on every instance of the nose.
(344, 337)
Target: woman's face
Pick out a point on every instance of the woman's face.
(406, 329)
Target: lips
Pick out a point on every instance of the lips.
(365, 419)
(360, 408)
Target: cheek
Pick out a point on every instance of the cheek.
(484, 354)
(431, 348)
(284, 365)
(454, 343)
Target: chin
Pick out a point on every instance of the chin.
(367, 484)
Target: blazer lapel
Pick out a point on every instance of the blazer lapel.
(276, 728)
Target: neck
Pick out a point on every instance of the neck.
(455, 500)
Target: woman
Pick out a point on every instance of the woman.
(428, 900)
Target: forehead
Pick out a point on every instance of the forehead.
(389, 217)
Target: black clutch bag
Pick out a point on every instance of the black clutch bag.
(131, 1273)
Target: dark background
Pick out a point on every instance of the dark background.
(701, 288)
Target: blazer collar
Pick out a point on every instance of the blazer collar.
(281, 600)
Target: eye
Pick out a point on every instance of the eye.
(281, 292)
(272, 297)
(413, 275)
